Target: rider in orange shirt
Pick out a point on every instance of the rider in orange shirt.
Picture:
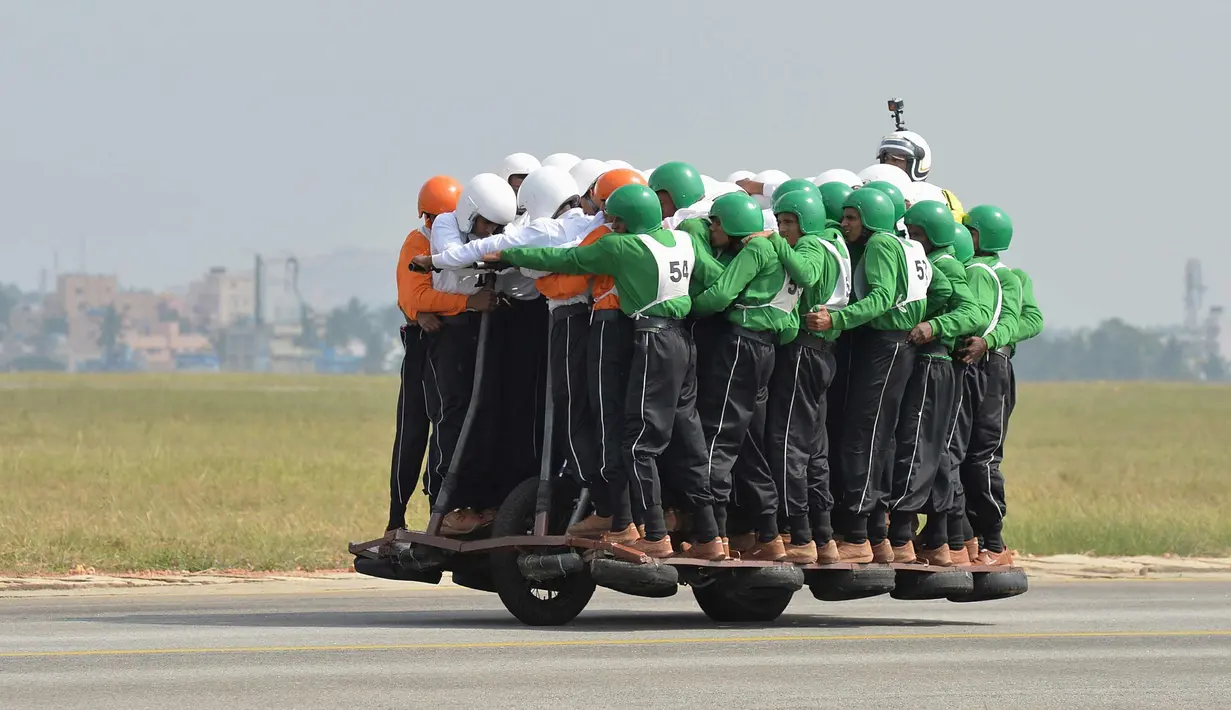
(422, 305)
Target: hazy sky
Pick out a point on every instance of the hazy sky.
(170, 136)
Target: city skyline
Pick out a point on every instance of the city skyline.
(174, 138)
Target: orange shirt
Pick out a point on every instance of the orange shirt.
(562, 286)
(415, 292)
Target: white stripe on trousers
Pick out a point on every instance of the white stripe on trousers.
(790, 412)
(991, 457)
(440, 416)
(910, 472)
(602, 419)
(709, 471)
(876, 422)
(568, 384)
(644, 373)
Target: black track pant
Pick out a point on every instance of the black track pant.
(734, 390)
(410, 441)
(661, 406)
(942, 501)
(795, 435)
(881, 363)
(448, 377)
(608, 357)
(920, 440)
(981, 477)
(515, 398)
(574, 433)
(968, 387)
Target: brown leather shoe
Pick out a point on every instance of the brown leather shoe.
(801, 554)
(591, 526)
(938, 557)
(1004, 558)
(462, 521)
(711, 550)
(959, 557)
(742, 542)
(905, 554)
(860, 553)
(882, 552)
(972, 549)
(772, 551)
(827, 554)
(657, 549)
(627, 536)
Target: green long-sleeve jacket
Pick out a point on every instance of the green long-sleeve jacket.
(1002, 289)
(963, 314)
(709, 265)
(755, 292)
(815, 269)
(884, 266)
(1030, 320)
(622, 256)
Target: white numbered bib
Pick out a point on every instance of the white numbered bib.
(841, 295)
(918, 272)
(999, 296)
(675, 265)
(786, 300)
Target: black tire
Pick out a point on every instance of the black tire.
(568, 595)
(724, 604)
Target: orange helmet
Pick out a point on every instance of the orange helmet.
(439, 195)
(611, 180)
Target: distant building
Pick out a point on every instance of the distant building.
(158, 349)
(81, 299)
(221, 299)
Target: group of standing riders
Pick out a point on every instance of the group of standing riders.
(762, 368)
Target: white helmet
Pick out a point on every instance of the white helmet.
(883, 171)
(842, 175)
(518, 164)
(922, 191)
(709, 183)
(585, 172)
(722, 188)
(768, 177)
(739, 175)
(910, 146)
(613, 164)
(564, 161)
(489, 195)
(543, 191)
(644, 173)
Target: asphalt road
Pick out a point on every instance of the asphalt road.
(1062, 645)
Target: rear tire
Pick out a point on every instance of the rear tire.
(549, 603)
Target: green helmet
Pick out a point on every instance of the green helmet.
(834, 195)
(963, 245)
(899, 202)
(874, 207)
(638, 206)
(791, 186)
(739, 214)
(936, 220)
(680, 180)
(995, 227)
(806, 205)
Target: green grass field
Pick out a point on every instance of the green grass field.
(137, 472)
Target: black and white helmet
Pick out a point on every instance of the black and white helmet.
(911, 147)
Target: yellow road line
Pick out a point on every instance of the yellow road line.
(615, 642)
